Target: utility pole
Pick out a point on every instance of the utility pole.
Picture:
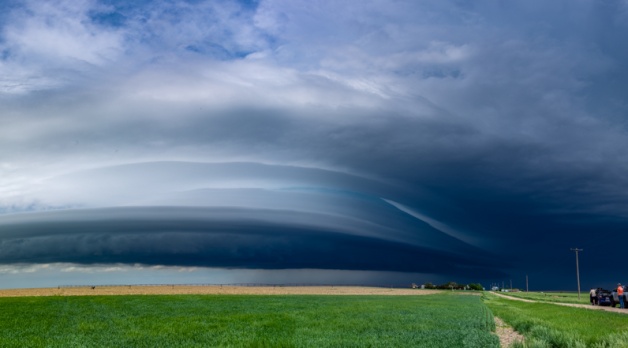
(577, 269)
(526, 283)
(511, 284)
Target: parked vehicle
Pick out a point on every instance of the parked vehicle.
(604, 297)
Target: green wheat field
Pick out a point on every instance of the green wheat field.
(246, 321)
(445, 319)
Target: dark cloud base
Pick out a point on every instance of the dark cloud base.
(255, 244)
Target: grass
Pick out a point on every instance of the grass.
(246, 321)
(549, 325)
(558, 297)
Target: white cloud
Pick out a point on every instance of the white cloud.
(45, 43)
(60, 31)
(23, 268)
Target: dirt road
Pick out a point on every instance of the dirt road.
(601, 308)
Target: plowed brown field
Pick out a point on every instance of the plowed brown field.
(212, 290)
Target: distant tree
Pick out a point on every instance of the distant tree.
(449, 286)
(476, 286)
(429, 285)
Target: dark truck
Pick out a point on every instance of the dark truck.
(604, 297)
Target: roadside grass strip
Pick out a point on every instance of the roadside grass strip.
(558, 297)
(443, 320)
(547, 325)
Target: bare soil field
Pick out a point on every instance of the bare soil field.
(213, 290)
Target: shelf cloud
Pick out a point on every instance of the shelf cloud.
(477, 142)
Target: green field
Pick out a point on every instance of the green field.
(444, 320)
(550, 325)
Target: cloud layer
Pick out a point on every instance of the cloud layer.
(274, 134)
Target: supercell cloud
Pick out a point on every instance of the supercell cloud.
(440, 140)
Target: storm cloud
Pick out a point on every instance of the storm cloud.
(477, 141)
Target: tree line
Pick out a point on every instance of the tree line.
(455, 286)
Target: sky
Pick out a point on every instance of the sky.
(313, 142)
